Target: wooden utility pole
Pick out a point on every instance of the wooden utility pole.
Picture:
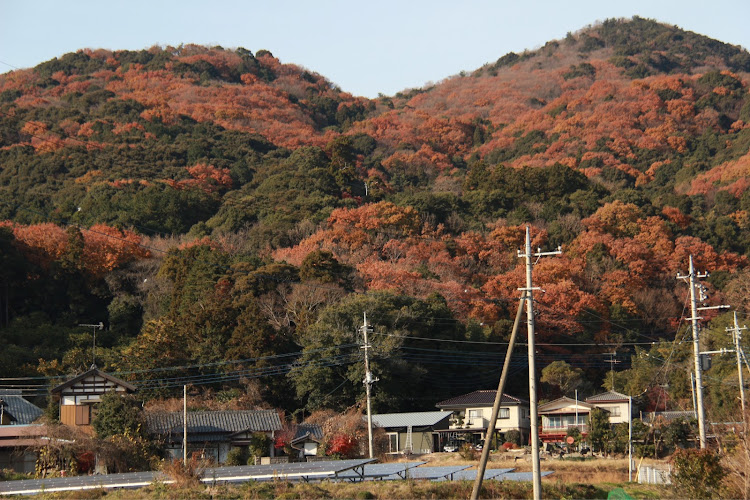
(533, 405)
(496, 406)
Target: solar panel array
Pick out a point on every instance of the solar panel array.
(351, 470)
(77, 483)
(435, 473)
(289, 471)
(394, 470)
(471, 474)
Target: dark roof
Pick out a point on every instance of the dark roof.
(97, 372)
(214, 422)
(308, 431)
(609, 396)
(478, 398)
(21, 410)
(668, 415)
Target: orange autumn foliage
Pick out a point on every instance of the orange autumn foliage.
(105, 248)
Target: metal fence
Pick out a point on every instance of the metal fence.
(654, 475)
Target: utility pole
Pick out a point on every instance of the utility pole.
(533, 406)
(612, 362)
(630, 439)
(184, 425)
(692, 279)
(736, 336)
(368, 381)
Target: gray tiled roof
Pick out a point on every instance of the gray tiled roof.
(22, 411)
(214, 422)
(478, 398)
(607, 396)
(668, 415)
(308, 431)
(415, 419)
(313, 430)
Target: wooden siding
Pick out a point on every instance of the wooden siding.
(77, 416)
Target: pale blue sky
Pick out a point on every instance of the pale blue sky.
(364, 47)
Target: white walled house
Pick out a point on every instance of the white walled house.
(472, 413)
(615, 403)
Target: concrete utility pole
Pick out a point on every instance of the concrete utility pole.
(736, 336)
(368, 382)
(630, 439)
(533, 406)
(692, 279)
(184, 425)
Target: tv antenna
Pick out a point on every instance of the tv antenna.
(100, 326)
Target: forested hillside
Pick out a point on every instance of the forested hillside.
(230, 217)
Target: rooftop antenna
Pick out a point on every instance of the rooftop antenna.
(100, 326)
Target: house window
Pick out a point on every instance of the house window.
(474, 417)
(554, 423)
(503, 413)
(614, 411)
(392, 442)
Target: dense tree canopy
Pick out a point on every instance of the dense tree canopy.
(230, 218)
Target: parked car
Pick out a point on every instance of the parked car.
(452, 445)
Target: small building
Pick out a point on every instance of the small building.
(211, 434)
(307, 439)
(416, 432)
(560, 415)
(80, 395)
(472, 413)
(15, 409)
(18, 434)
(17, 444)
(615, 403)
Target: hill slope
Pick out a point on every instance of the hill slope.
(626, 143)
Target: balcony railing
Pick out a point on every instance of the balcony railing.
(470, 423)
(546, 428)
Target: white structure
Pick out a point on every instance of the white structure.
(471, 414)
(618, 406)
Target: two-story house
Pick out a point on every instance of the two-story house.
(472, 413)
(561, 414)
(618, 405)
